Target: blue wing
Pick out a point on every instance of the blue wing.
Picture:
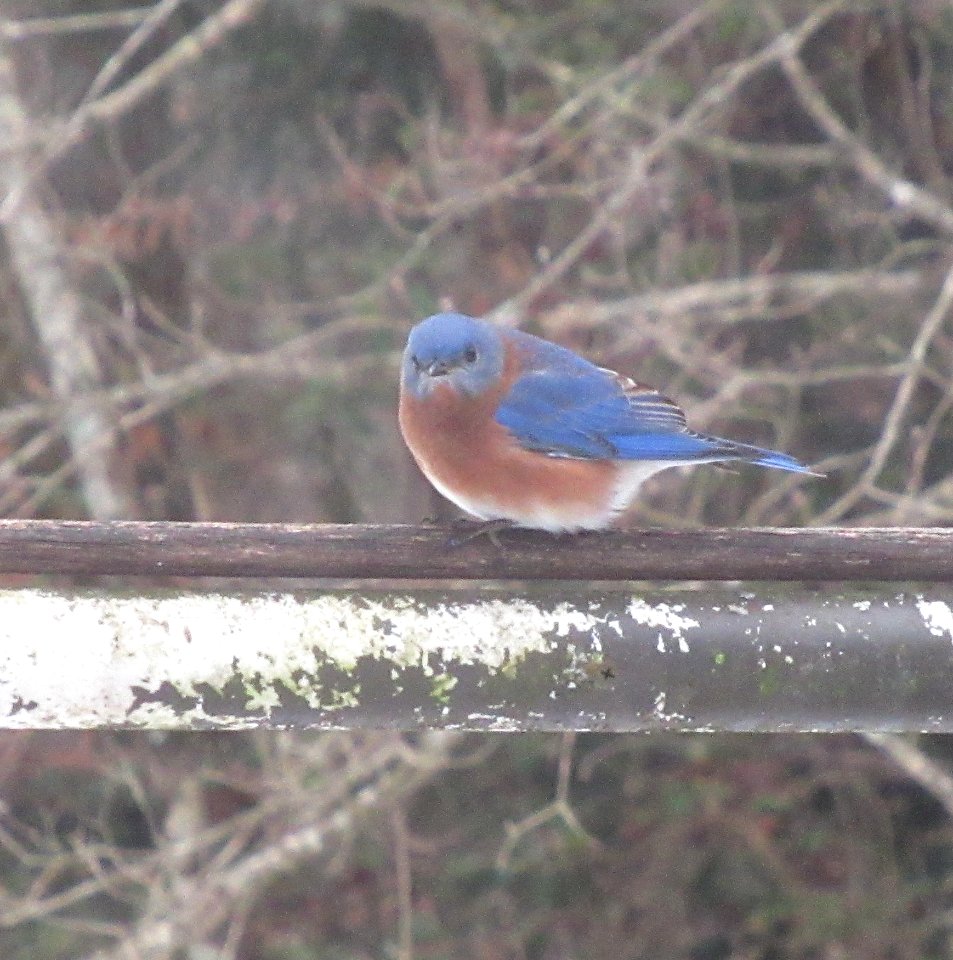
(568, 407)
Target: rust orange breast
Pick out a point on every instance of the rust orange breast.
(478, 464)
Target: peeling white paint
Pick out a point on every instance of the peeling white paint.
(664, 617)
(938, 617)
(490, 632)
(81, 661)
(664, 715)
(93, 661)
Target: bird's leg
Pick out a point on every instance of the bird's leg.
(468, 530)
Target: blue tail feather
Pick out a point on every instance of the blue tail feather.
(687, 446)
(762, 457)
(682, 446)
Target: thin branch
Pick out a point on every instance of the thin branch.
(902, 192)
(711, 102)
(641, 62)
(36, 253)
(753, 295)
(156, 17)
(192, 47)
(916, 765)
(891, 433)
(795, 156)
(77, 23)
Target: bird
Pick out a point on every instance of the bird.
(516, 429)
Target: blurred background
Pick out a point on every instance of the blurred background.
(220, 219)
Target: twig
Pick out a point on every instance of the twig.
(712, 101)
(77, 23)
(916, 765)
(890, 434)
(36, 253)
(639, 63)
(211, 32)
(752, 295)
(902, 192)
(130, 46)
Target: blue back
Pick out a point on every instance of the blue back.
(565, 406)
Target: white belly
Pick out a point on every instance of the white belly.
(563, 518)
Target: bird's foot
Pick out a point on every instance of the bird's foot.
(467, 530)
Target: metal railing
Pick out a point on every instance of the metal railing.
(372, 626)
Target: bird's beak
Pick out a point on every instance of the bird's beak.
(439, 368)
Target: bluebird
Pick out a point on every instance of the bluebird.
(514, 428)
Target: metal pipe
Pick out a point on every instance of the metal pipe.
(546, 658)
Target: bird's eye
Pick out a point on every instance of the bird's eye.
(418, 366)
(470, 355)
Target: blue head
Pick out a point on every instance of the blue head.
(453, 349)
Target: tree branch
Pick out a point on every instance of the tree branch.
(54, 308)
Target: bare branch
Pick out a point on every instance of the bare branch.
(903, 193)
(916, 765)
(104, 109)
(155, 18)
(710, 103)
(77, 23)
(745, 298)
(890, 435)
(74, 367)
